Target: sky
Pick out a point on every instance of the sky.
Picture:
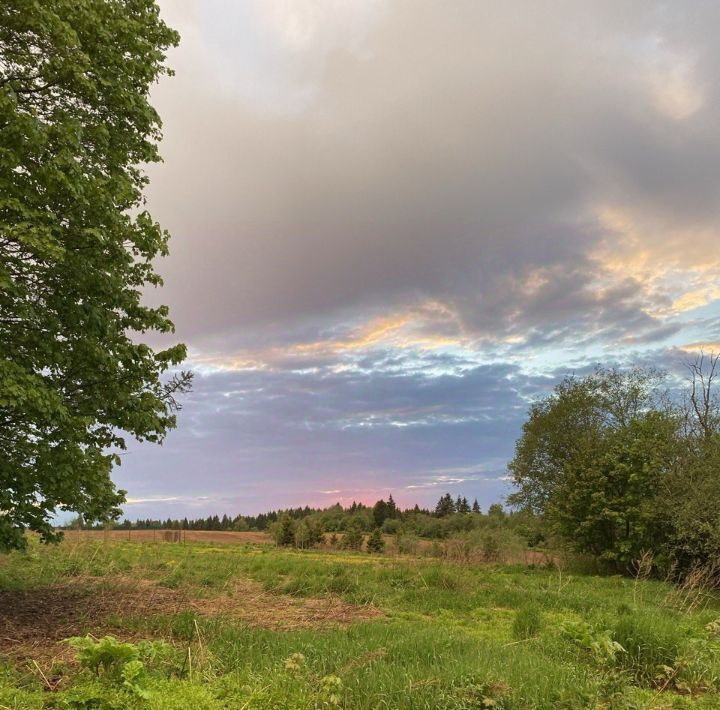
(396, 223)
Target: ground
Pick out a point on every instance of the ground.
(253, 626)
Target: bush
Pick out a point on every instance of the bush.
(353, 539)
(528, 622)
(122, 666)
(491, 547)
(406, 544)
(375, 542)
(284, 531)
(391, 526)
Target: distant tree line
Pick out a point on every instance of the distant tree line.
(305, 526)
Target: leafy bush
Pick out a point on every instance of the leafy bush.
(391, 526)
(661, 652)
(598, 643)
(491, 547)
(120, 665)
(407, 544)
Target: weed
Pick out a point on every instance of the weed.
(528, 622)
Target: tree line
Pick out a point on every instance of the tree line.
(450, 516)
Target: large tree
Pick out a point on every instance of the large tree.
(76, 252)
(595, 458)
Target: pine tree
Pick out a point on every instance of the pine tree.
(463, 506)
(476, 507)
(445, 506)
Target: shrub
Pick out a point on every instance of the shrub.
(375, 542)
(406, 544)
(599, 643)
(491, 547)
(284, 531)
(391, 526)
(353, 539)
(122, 664)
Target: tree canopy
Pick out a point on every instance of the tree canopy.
(76, 251)
(618, 468)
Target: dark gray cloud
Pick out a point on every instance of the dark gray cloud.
(445, 154)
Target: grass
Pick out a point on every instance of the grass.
(441, 635)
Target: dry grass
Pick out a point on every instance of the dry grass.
(33, 622)
(227, 537)
(250, 603)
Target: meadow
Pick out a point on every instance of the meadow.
(204, 625)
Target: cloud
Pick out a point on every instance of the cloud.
(439, 156)
(396, 222)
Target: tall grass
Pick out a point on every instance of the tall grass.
(452, 634)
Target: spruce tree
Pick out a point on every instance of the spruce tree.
(445, 506)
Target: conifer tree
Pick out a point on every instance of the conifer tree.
(445, 506)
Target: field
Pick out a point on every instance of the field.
(253, 626)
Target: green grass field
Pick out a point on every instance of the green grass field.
(259, 627)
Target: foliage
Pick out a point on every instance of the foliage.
(375, 542)
(598, 643)
(122, 664)
(593, 459)
(691, 505)
(284, 531)
(620, 469)
(76, 253)
(353, 539)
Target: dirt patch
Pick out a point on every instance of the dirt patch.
(32, 622)
(250, 603)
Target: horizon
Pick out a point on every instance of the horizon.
(394, 226)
